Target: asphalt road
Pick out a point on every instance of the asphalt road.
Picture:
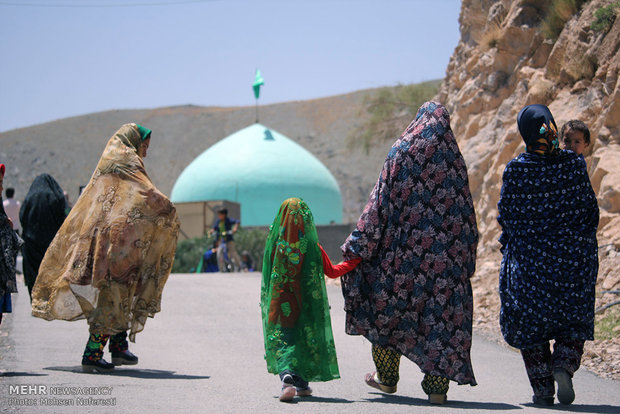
(204, 353)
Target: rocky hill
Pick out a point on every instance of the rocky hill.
(505, 61)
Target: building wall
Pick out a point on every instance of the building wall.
(332, 237)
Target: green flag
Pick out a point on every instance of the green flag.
(258, 81)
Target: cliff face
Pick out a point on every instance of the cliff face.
(502, 63)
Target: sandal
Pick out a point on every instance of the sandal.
(373, 380)
(437, 398)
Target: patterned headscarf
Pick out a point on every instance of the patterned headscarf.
(538, 129)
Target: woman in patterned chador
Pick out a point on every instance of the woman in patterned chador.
(417, 236)
(113, 254)
(549, 215)
(10, 243)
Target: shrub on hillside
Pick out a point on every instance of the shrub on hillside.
(389, 111)
(605, 17)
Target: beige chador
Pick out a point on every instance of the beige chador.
(111, 258)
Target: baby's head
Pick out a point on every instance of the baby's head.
(575, 136)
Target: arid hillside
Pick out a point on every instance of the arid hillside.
(69, 149)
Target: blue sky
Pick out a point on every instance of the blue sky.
(58, 61)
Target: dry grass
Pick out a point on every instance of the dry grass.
(491, 37)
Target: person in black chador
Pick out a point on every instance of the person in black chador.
(41, 215)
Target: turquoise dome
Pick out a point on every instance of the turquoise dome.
(259, 168)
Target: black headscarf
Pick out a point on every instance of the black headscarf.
(41, 215)
(538, 129)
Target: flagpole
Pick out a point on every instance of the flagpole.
(257, 111)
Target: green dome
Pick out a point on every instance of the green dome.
(259, 168)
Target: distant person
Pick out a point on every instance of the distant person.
(299, 344)
(10, 243)
(11, 208)
(208, 262)
(68, 204)
(549, 215)
(247, 264)
(41, 215)
(224, 228)
(112, 257)
(575, 135)
(411, 295)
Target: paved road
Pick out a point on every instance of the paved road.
(204, 353)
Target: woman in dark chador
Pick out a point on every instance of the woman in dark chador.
(411, 294)
(41, 215)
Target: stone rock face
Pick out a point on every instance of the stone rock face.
(502, 63)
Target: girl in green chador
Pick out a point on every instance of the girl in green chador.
(299, 344)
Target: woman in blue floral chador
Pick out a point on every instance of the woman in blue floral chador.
(417, 237)
(549, 215)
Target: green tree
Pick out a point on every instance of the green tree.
(190, 251)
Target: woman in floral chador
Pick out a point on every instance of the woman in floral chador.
(112, 256)
(417, 236)
(299, 344)
(549, 215)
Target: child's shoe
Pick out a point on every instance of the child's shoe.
(304, 392)
(287, 394)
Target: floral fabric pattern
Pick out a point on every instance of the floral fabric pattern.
(295, 312)
(549, 216)
(417, 238)
(113, 254)
(10, 244)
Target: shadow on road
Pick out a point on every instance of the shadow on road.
(21, 374)
(581, 408)
(466, 405)
(134, 373)
(315, 399)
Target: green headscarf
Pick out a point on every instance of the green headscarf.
(296, 321)
(145, 133)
